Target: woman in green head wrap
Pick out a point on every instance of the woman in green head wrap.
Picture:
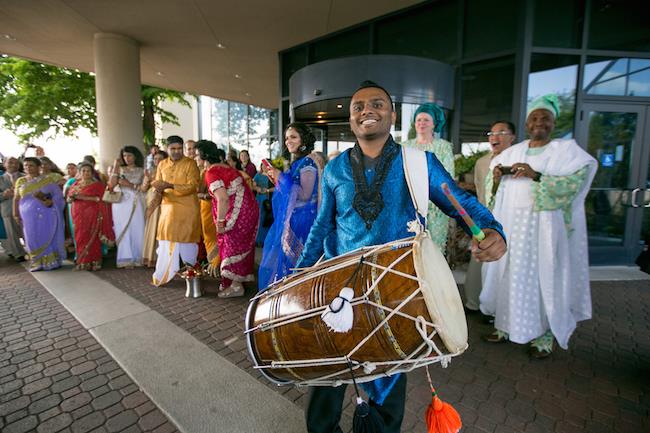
(429, 119)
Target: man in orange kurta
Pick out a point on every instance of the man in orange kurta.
(179, 226)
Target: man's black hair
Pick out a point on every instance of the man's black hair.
(371, 84)
(173, 139)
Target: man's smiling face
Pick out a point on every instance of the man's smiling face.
(371, 114)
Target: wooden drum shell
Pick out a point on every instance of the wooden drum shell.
(310, 339)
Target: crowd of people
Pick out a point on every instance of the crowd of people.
(195, 202)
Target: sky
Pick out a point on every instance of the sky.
(61, 150)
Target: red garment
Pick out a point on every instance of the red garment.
(92, 222)
(250, 169)
(237, 243)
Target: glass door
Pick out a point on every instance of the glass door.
(617, 136)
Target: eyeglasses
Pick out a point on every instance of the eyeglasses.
(498, 133)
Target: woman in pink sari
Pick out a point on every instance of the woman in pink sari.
(236, 216)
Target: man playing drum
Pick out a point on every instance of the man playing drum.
(366, 201)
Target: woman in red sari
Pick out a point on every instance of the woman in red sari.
(236, 216)
(91, 219)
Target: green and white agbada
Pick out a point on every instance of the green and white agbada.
(542, 283)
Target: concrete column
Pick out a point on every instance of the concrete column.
(117, 86)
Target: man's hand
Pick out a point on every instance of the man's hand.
(521, 169)
(161, 185)
(490, 249)
(8, 193)
(496, 174)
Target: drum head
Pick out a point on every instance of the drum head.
(440, 293)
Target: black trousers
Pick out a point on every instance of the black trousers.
(325, 403)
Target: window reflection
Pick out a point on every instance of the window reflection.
(240, 126)
(558, 23)
(619, 25)
(610, 140)
(220, 122)
(557, 74)
(486, 96)
(617, 77)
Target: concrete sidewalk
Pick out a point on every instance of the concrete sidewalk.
(196, 388)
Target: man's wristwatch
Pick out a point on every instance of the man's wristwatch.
(537, 176)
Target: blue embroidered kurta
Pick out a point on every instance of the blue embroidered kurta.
(339, 228)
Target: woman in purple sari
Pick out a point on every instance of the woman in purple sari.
(38, 208)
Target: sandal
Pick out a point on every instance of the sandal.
(536, 353)
(235, 290)
(542, 346)
(495, 337)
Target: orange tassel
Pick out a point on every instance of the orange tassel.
(441, 417)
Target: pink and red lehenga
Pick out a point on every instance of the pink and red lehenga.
(237, 243)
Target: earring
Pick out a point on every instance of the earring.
(303, 148)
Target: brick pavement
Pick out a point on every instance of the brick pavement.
(54, 376)
(601, 384)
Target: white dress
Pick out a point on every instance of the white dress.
(129, 235)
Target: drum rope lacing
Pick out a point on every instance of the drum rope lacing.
(363, 298)
(411, 362)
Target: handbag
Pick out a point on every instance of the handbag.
(112, 196)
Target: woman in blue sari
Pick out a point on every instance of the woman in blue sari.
(295, 204)
(38, 207)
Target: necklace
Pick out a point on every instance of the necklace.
(368, 201)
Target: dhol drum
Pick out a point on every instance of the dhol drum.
(406, 309)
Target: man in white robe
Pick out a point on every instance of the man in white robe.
(539, 289)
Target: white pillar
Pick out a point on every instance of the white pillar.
(117, 86)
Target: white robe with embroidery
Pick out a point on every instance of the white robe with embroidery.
(542, 282)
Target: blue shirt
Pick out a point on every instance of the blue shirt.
(339, 228)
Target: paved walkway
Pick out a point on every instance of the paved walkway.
(601, 384)
(54, 376)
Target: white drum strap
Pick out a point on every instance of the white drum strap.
(417, 179)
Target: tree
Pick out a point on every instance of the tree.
(35, 98)
(152, 97)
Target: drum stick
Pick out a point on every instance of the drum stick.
(476, 231)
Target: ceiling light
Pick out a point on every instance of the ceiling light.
(248, 94)
(319, 116)
(237, 76)
(160, 74)
(339, 106)
(221, 46)
(8, 37)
